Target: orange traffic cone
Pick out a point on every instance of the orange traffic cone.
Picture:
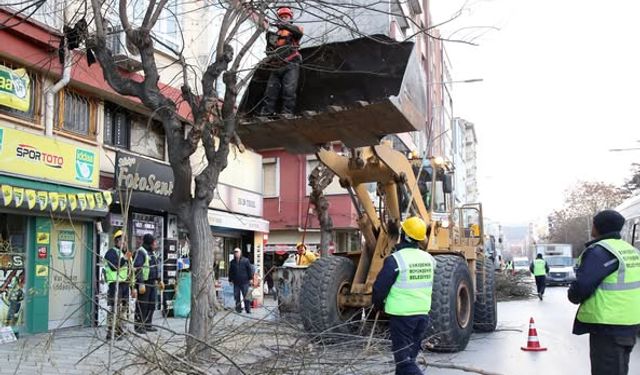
(533, 345)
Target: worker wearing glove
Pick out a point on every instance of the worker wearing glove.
(116, 273)
(403, 290)
(284, 63)
(147, 276)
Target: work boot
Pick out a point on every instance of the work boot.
(540, 296)
(151, 329)
(140, 330)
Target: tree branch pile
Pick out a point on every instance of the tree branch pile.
(510, 286)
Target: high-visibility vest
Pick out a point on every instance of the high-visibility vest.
(411, 292)
(617, 298)
(539, 267)
(145, 266)
(119, 275)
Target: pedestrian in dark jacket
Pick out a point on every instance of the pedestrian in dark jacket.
(607, 289)
(240, 274)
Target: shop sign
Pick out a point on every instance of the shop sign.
(146, 183)
(229, 198)
(15, 88)
(48, 159)
(227, 220)
(142, 175)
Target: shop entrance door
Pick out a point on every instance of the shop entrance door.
(67, 274)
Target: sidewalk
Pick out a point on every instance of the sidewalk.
(84, 350)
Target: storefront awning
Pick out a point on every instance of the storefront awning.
(236, 221)
(36, 196)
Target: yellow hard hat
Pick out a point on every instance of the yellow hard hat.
(301, 244)
(415, 228)
(117, 234)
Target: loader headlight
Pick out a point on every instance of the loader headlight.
(444, 223)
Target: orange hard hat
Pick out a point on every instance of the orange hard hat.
(282, 11)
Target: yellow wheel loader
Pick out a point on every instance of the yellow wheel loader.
(358, 92)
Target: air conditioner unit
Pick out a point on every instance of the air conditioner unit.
(123, 55)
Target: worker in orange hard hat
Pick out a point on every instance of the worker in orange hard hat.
(284, 61)
(304, 257)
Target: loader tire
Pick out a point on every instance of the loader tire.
(485, 314)
(321, 285)
(451, 306)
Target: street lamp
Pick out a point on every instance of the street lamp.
(625, 149)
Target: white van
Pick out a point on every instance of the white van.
(521, 265)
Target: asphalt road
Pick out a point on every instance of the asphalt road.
(499, 352)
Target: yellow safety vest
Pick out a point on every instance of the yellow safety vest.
(411, 292)
(539, 267)
(119, 275)
(145, 266)
(617, 298)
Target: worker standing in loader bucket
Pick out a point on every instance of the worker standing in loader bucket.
(403, 290)
(284, 60)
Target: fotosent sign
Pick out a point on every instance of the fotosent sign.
(149, 182)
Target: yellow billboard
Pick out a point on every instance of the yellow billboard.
(48, 159)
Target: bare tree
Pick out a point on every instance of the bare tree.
(214, 123)
(572, 223)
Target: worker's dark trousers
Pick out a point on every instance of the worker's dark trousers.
(144, 304)
(282, 80)
(118, 307)
(540, 284)
(610, 354)
(150, 306)
(407, 333)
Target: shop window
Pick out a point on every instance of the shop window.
(334, 187)
(117, 124)
(147, 138)
(26, 86)
(347, 241)
(13, 242)
(271, 177)
(74, 114)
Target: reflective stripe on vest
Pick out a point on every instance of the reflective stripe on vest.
(539, 267)
(411, 292)
(111, 275)
(617, 298)
(145, 266)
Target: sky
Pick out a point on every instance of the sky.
(560, 88)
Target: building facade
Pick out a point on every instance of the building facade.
(102, 166)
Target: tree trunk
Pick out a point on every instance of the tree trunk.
(321, 204)
(319, 179)
(202, 281)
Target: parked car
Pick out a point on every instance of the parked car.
(521, 265)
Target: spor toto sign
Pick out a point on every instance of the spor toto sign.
(31, 153)
(48, 158)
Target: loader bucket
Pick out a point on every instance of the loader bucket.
(355, 92)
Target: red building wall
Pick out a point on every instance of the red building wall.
(288, 210)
